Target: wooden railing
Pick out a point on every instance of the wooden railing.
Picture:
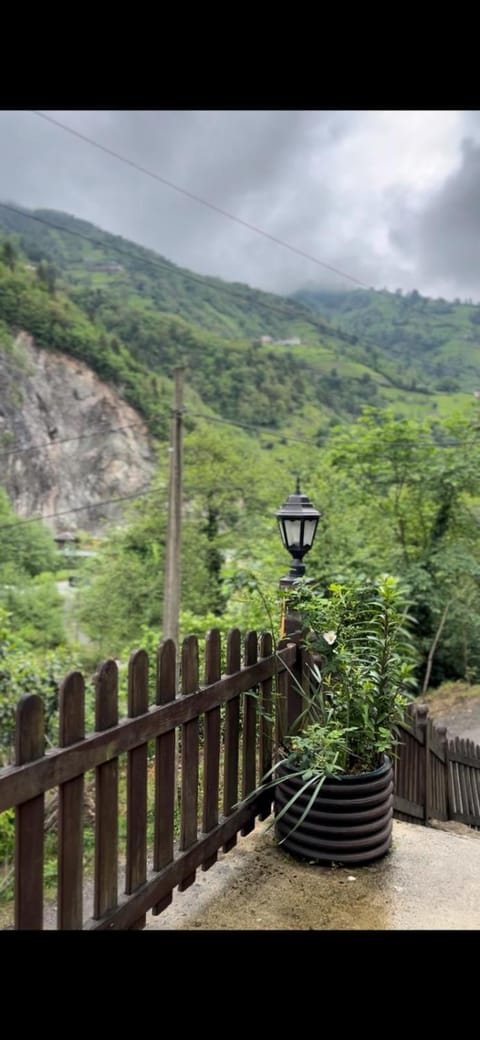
(236, 750)
(186, 765)
(436, 777)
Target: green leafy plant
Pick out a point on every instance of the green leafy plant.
(359, 675)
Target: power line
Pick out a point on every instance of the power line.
(411, 441)
(165, 265)
(39, 446)
(304, 312)
(197, 198)
(286, 438)
(250, 426)
(151, 491)
(78, 509)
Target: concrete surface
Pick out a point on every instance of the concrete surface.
(429, 880)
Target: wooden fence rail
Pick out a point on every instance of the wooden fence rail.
(244, 752)
(435, 777)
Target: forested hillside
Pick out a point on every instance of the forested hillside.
(132, 315)
(436, 341)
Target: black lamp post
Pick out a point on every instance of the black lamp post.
(297, 520)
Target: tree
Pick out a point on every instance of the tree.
(416, 483)
(46, 275)
(28, 547)
(9, 254)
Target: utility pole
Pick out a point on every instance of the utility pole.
(171, 590)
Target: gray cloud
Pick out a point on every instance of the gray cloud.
(445, 235)
(359, 190)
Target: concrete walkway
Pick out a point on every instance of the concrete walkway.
(429, 880)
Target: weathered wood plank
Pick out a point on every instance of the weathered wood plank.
(20, 783)
(130, 907)
(165, 770)
(282, 681)
(106, 795)
(469, 818)
(29, 745)
(137, 780)
(399, 763)
(70, 815)
(475, 781)
(249, 746)
(232, 735)
(455, 783)
(470, 806)
(408, 808)
(410, 789)
(423, 795)
(211, 759)
(190, 757)
(462, 770)
(266, 725)
(419, 711)
(465, 759)
(441, 733)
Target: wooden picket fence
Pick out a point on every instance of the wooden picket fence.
(436, 777)
(212, 742)
(239, 741)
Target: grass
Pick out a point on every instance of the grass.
(451, 694)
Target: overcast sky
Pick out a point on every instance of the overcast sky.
(390, 198)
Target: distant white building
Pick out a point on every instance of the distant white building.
(294, 342)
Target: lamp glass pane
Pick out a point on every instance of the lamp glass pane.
(292, 532)
(282, 533)
(309, 531)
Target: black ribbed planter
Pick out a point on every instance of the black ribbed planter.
(350, 820)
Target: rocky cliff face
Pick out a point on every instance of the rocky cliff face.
(67, 440)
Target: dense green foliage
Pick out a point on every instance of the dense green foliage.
(362, 676)
(435, 341)
(27, 585)
(133, 314)
(23, 671)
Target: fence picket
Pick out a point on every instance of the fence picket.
(232, 736)
(29, 745)
(462, 771)
(249, 743)
(453, 747)
(165, 770)
(137, 780)
(70, 808)
(266, 724)
(475, 753)
(190, 757)
(106, 796)
(468, 779)
(212, 742)
(443, 773)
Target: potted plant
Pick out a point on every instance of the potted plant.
(333, 779)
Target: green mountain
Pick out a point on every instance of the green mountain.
(437, 342)
(132, 315)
